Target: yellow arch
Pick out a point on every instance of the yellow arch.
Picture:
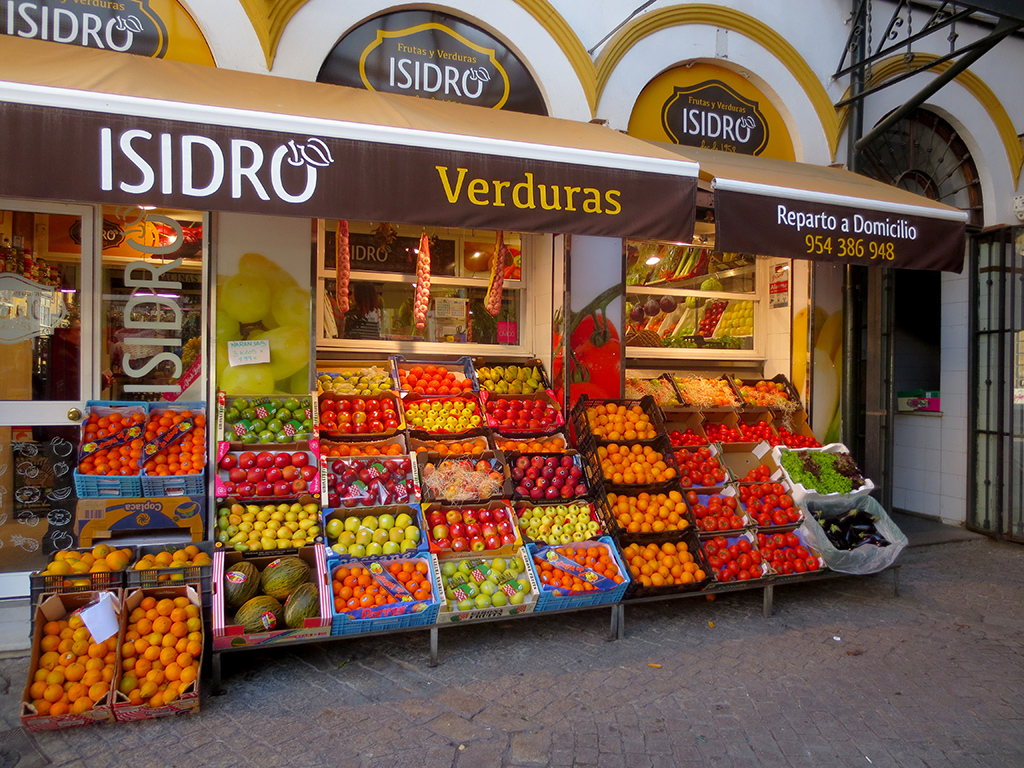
(270, 18)
(896, 65)
(728, 18)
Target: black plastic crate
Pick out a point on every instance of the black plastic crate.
(625, 536)
(661, 445)
(637, 590)
(62, 584)
(650, 408)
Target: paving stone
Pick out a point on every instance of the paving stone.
(531, 748)
(481, 754)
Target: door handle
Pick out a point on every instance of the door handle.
(74, 414)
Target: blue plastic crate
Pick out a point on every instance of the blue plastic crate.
(414, 510)
(108, 486)
(548, 601)
(342, 624)
(174, 485)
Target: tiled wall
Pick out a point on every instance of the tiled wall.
(930, 464)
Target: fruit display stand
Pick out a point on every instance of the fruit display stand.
(491, 374)
(353, 377)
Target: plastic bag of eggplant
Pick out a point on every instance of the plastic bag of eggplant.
(853, 535)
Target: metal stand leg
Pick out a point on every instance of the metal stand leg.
(433, 646)
(218, 689)
(612, 632)
(769, 596)
(620, 624)
(896, 581)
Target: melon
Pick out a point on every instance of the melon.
(302, 604)
(283, 576)
(241, 583)
(260, 614)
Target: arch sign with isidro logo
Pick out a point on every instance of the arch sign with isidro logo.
(160, 29)
(434, 56)
(710, 107)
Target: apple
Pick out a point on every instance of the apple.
(473, 530)
(499, 515)
(551, 493)
(264, 459)
(508, 538)
(485, 516)
(492, 542)
(436, 517)
(264, 488)
(281, 459)
(308, 472)
(298, 486)
(237, 475)
(488, 529)
(477, 543)
(247, 460)
(457, 530)
(439, 532)
(460, 544)
(272, 475)
(453, 516)
(228, 462)
(444, 543)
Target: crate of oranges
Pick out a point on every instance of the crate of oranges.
(616, 421)
(643, 516)
(556, 443)
(111, 450)
(385, 593)
(82, 570)
(392, 446)
(578, 574)
(634, 465)
(175, 450)
(661, 568)
(161, 653)
(470, 443)
(71, 674)
(443, 377)
(155, 565)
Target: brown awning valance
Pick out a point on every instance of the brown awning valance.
(802, 211)
(96, 126)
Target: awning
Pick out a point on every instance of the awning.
(96, 126)
(802, 211)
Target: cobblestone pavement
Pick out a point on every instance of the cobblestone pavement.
(842, 674)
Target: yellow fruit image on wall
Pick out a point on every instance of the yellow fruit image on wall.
(824, 359)
(263, 301)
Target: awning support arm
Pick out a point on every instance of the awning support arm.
(1004, 28)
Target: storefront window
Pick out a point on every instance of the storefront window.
(689, 296)
(40, 309)
(382, 286)
(152, 308)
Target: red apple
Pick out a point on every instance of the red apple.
(460, 544)
(300, 459)
(282, 488)
(282, 459)
(477, 544)
(264, 459)
(228, 462)
(247, 460)
(272, 475)
(492, 542)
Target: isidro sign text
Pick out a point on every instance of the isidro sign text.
(435, 56)
(128, 26)
(714, 116)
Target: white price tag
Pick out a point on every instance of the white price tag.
(101, 618)
(248, 352)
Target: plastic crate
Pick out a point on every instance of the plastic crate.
(534, 362)
(624, 535)
(395, 615)
(636, 589)
(548, 600)
(74, 583)
(474, 509)
(582, 426)
(462, 368)
(800, 494)
(199, 575)
(703, 498)
(173, 485)
(347, 368)
(108, 486)
(240, 433)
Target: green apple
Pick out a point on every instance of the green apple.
(412, 533)
(499, 600)
(547, 520)
(556, 530)
(466, 605)
(488, 587)
(565, 538)
(465, 568)
(498, 564)
(579, 536)
(403, 520)
(390, 548)
(516, 564)
(593, 526)
(471, 589)
(373, 549)
(408, 546)
(357, 550)
(449, 568)
(352, 524)
(482, 602)
(517, 598)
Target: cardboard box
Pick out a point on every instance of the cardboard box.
(739, 459)
(544, 397)
(334, 431)
(54, 608)
(498, 465)
(106, 518)
(230, 635)
(188, 699)
(918, 400)
(450, 613)
(359, 513)
(505, 550)
(223, 488)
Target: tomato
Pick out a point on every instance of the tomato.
(744, 561)
(743, 545)
(792, 540)
(812, 563)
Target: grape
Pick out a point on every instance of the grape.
(299, 381)
(257, 264)
(246, 298)
(290, 306)
(222, 360)
(251, 379)
(289, 350)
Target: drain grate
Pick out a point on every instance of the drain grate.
(19, 750)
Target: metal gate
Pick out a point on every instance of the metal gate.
(996, 447)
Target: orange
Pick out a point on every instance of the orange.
(98, 690)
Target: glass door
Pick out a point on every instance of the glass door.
(47, 319)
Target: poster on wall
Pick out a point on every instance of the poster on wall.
(818, 353)
(159, 29)
(433, 55)
(711, 107)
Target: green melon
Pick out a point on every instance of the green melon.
(241, 583)
(283, 576)
(261, 614)
(302, 604)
